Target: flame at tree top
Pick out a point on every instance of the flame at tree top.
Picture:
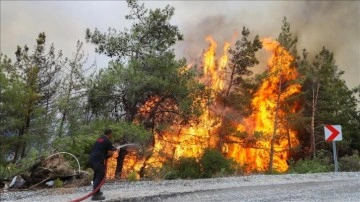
(261, 124)
(251, 151)
(214, 72)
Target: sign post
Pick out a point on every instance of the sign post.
(335, 157)
(332, 134)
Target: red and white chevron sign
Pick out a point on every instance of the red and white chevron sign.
(333, 133)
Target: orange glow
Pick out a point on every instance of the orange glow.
(214, 71)
(111, 166)
(262, 121)
(251, 149)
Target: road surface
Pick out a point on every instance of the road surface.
(329, 187)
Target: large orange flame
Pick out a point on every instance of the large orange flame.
(260, 124)
(111, 166)
(252, 151)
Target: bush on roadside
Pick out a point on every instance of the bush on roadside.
(214, 163)
(319, 164)
(211, 164)
(160, 173)
(132, 177)
(58, 183)
(350, 163)
(187, 168)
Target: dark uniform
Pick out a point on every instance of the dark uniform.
(98, 157)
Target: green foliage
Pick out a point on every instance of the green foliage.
(350, 163)
(211, 164)
(214, 163)
(4, 171)
(151, 32)
(27, 95)
(132, 177)
(58, 183)
(328, 101)
(8, 169)
(240, 88)
(11, 107)
(320, 163)
(159, 173)
(70, 103)
(187, 168)
(80, 143)
(33, 92)
(145, 68)
(286, 39)
(124, 131)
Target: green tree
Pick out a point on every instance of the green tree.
(241, 85)
(5, 109)
(242, 58)
(12, 97)
(39, 74)
(151, 33)
(4, 64)
(72, 100)
(287, 40)
(282, 76)
(329, 101)
(144, 70)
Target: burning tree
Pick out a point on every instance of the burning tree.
(147, 86)
(257, 141)
(264, 134)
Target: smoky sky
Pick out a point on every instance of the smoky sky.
(333, 24)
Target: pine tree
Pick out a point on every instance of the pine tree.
(39, 73)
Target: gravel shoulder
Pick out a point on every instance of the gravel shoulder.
(170, 189)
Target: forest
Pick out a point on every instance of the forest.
(183, 117)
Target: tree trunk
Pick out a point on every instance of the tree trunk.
(315, 94)
(67, 101)
(230, 82)
(62, 123)
(142, 169)
(275, 128)
(22, 133)
(120, 162)
(223, 119)
(288, 134)
(18, 145)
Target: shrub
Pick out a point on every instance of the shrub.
(214, 163)
(160, 173)
(350, 163)
(58, 183)
(5, 171)
(187, 168)
(320, 163)
(132, 176)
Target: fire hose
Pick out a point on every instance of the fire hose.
(93, 192)
(103, 180)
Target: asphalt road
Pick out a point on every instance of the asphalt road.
(326, 187)
(341, 190)
(311, 187)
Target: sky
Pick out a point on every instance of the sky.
(333, 24)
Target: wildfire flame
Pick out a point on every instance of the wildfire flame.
(111, 163)
(251, 152)
(262, 120)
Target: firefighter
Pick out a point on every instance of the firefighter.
(102, 149)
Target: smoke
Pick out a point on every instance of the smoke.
(332, 24)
